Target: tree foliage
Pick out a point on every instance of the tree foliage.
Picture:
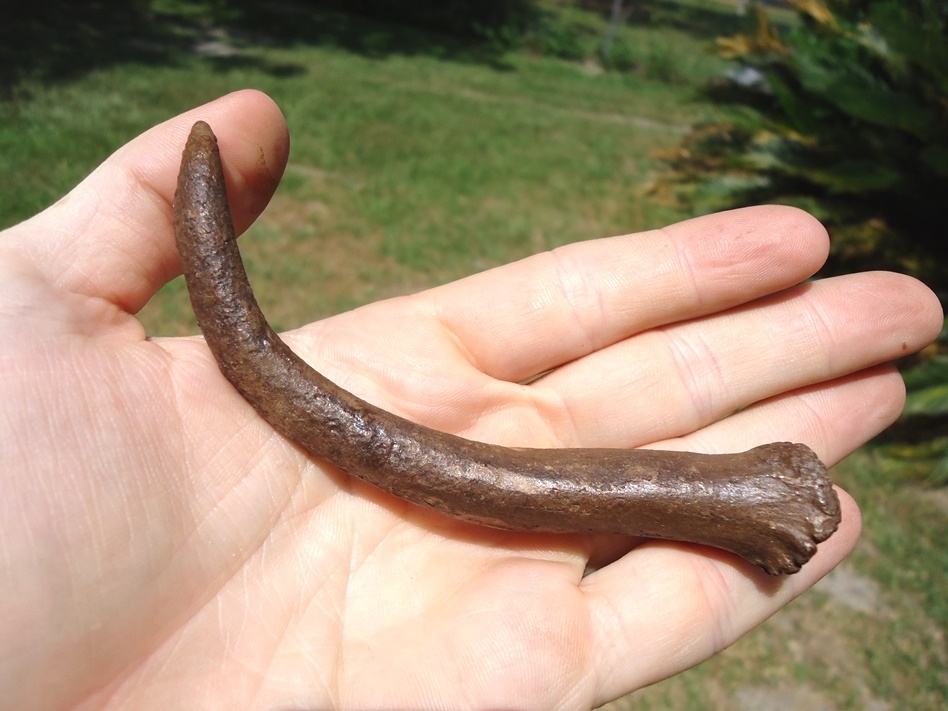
(845, 115)
(849, 122)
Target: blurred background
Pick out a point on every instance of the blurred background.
(431, 140)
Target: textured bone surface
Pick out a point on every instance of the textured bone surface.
(771, 505)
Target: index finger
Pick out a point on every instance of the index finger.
(525, 318)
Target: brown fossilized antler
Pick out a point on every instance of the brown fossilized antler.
(771, 505)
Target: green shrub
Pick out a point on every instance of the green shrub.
(852, 127)
(849, 122)
(622, 56)
(561, 40)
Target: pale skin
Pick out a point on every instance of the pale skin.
(159, 542)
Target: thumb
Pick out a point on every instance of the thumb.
(112, 237)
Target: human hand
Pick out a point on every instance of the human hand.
(161, 542)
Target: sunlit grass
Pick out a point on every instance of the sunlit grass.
(416, 168)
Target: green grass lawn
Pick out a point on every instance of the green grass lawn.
(414, 160)
(417, 159)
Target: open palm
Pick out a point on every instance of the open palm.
(160, 545)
